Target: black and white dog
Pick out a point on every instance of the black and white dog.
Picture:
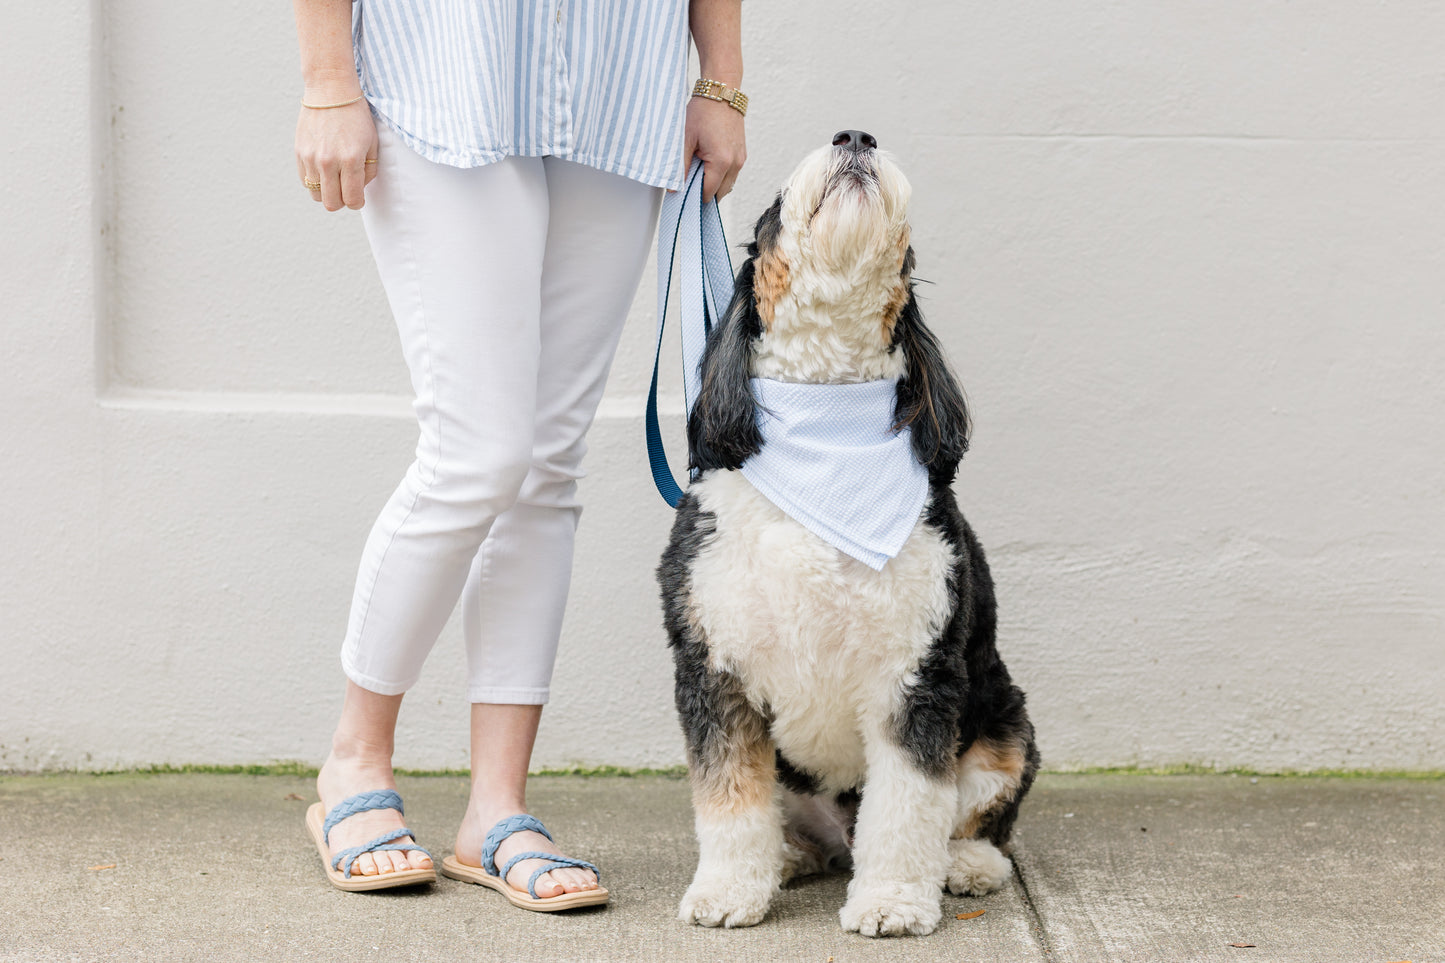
(832, 711)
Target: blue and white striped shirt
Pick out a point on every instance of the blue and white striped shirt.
(468, 82)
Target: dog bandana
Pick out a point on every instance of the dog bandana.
(832, 461)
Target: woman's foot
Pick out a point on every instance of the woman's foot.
(473, 834)
(345, 775)
(502, 737)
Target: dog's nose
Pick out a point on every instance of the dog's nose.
(855, 140)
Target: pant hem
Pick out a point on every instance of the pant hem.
(513, 696)
(371, 683)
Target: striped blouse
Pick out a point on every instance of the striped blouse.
(468, 82)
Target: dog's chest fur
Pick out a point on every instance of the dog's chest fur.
(818, 639)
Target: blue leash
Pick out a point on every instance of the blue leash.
(705, 288)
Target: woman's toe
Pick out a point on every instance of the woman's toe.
(577, 880)
(396, 861)
(418, 859)
(365, 864)
(547, 886)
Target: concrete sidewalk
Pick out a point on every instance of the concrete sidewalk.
(1112, 868)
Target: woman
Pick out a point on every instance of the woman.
(508, 157)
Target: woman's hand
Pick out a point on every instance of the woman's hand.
(714, 133)
(336, 147)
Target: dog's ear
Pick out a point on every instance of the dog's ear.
(930, 403)
(722, 430)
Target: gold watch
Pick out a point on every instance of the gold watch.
(713, 90)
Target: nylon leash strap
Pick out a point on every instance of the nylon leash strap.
(689, 238)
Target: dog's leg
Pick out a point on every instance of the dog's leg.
(737, 812)
(998, 768)
(900, 855)
(991, 778)
(816, 833)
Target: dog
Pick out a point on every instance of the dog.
(835, 714)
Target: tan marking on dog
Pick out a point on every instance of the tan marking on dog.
(987, 756)
(970, 828)
(899, 296)
(739, 776)
(770, 280)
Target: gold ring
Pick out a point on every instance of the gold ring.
(311, 185)
(371, 160)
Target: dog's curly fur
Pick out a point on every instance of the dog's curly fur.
(835, 714)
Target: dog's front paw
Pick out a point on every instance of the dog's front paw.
(976, 867)
(901, 909)
(723, 902)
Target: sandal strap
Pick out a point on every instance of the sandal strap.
(377, 845)
(522, 822)
(360, 803)
(557, 862)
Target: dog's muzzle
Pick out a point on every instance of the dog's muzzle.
(855, 156)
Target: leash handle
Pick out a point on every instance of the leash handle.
(690, 237)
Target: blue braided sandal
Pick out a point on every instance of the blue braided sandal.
(489, 876)
(338, 867)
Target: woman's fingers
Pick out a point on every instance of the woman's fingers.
(353, 180)
(729, 179)
(689, 148)
(308, 178)
(369, 164)
(719, 174)
(711, 179)
(342, 181)
(331, 186)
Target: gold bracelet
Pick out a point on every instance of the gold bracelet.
(714, 90)
(344, 103)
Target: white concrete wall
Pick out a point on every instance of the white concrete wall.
(1187, 256)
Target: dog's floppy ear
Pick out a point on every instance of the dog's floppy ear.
(722, 430)
(930, 403)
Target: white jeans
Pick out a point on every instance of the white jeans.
(510, 284)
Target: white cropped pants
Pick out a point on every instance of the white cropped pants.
(509, 283)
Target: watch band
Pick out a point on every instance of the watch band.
(714, 90)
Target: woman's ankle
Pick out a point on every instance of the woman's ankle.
(365, 735)
(352, 768)
(486, 811)
(352, 749)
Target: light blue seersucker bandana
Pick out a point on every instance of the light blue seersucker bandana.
(832, 461)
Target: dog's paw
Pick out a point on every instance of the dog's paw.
(796, 863)
(725, 903)
(905, 909)
(976, 867)
(801, 859)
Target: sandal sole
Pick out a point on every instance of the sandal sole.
(453, 868)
